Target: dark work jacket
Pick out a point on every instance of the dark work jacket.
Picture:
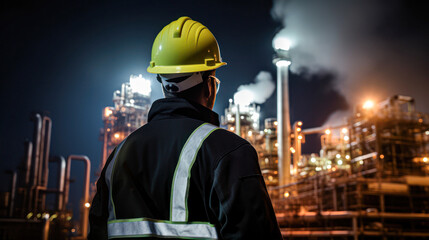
(226, 186)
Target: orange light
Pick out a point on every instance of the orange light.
(116, 135)
(344, 130)
(368, 104)
(292, 150)
(298, 129)
(286, 194)
(299, 123)
(425, 159)
(328, 131)
(231, 128)
(276, 123)
(87, 205)
(107, 112)
(381, 156)
(299, 137)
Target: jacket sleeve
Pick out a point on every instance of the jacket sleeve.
(243, 206)
(99, 212)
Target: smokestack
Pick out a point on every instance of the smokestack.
(282, 61)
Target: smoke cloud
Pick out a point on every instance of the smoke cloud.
(257, 92)
(376, 48)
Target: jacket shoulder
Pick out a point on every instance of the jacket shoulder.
(222, 142)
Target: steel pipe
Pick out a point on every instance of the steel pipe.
(32, 200)
(85, 215)
(28, 154)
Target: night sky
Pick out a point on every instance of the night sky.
(67, 59)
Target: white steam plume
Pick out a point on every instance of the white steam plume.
(377, 49)
(257, 92)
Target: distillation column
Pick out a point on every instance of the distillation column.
(282, 61)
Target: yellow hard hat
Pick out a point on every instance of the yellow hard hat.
(184, 46)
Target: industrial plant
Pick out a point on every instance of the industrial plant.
(26, 212)
(370, 179)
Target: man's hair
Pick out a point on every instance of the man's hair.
(191, 93)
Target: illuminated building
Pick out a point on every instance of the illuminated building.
(131, 107)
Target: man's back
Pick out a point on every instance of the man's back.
(226, 189)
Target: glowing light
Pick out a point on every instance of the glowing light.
(276, 145)
(347, 156)
(107, 112)
(286, 194)
(230, 100)
(266, 160)
(29, 215)
(299, 137)
(361, 162)
(140, 85)
(270, 178)
(334, 169)
(249, 133)
(420, 120)
(381, 156)
(344, 130)
(346, 138)
(425, 159)
(318, 168)
(243, 97)
(73, 230)
(276, 123)
(338, 155)
(313, 160)
(368, 104)
(427, 132)
(340, 162)
(283, 63)
(292, 150)
(300, 123)
(87, 205)
(116, 135)
(281, 43)
(328, 131)
(265, 130)
(328, 167)
(231, 128)
(298, 129)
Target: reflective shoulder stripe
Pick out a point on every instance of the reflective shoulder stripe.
(131, 228)
(108, 178)
(182, 174)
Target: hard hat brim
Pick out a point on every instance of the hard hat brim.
(183, 68)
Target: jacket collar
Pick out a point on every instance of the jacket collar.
(167, 108)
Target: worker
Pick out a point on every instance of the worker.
(180, 175)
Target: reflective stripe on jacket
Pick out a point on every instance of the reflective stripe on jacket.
(178, 225)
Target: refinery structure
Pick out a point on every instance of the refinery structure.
(34, 210)
(370, 179)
